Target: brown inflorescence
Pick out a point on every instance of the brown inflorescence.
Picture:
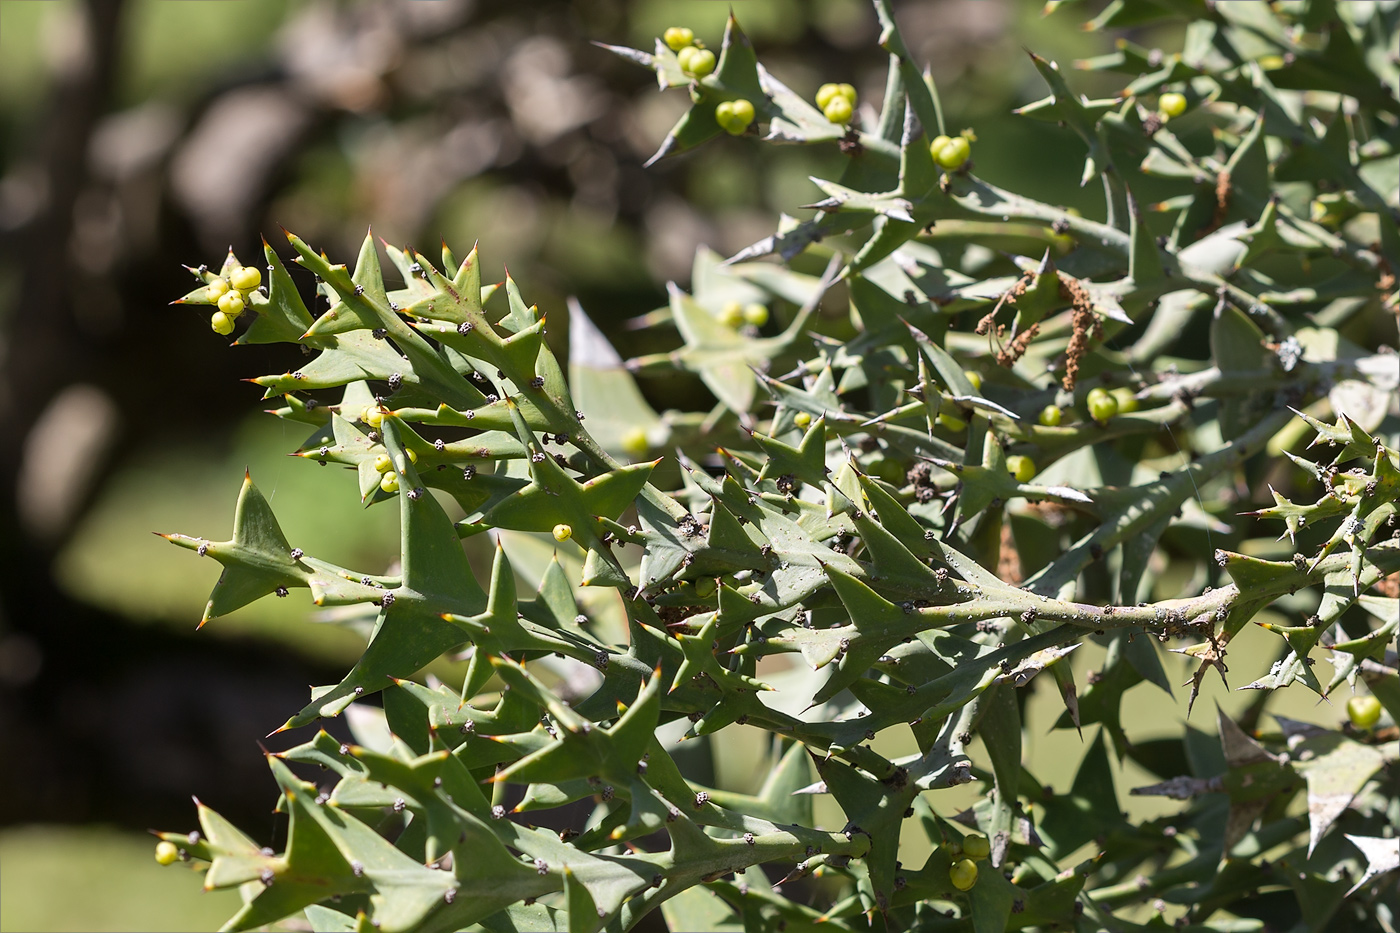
(1084, 324)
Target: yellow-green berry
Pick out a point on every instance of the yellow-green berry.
(829, 92)
(756, 314)
(935, 147)
(952, 154)
(231, 303)
(1051, 415)
(976, 846)
(1126, 399)
(734, 116)
(221, 323)
(389, 482)
(678, 37)
(1023, 468)
(382, 463)
(563, 532)
(1102, 405)
(245, 278)
(975, 378)
(952, 422)
(216, 289)
(705, 587)
(1171, 104)
(839, 110)
(635, 442)
(1365, 711)
(1321, 212)
(802, 419)
(891, 471)
(167, 853)
(698, 62)
(963, 874)
(732, 314)
(373, 416)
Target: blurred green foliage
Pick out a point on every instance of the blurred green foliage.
(125, 889)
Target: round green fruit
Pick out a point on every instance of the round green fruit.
(975, 378)
(1023, 468)
(952, 423)
(231, 303)
(756, 314)
(953, 154)
(697, 62)
(732, 314)
(888, 470)
(563, 532)
(1126, 399)
(802, 419)
(678, 37)
(389, 482)
(829, 92)
(216, 290)
(1102, 405)
(963, 874)
(976, 846)
(167, 853)
(734, 116)
(245, 279)
(1051, 416)
(635, 442)
(1364, 711)
(1171, 104)
(382, 463)
(221, 324)
(839, 110)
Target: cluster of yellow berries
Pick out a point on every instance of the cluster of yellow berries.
(963, 872)
(389, 482)
(837, 102)
(951, 152)
(231, 295)
(693, 57)
(734, 116)
(1104, 404)
(736, 315)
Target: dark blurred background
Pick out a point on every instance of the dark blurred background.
(137, 135)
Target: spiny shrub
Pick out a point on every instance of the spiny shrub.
(934, 470)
